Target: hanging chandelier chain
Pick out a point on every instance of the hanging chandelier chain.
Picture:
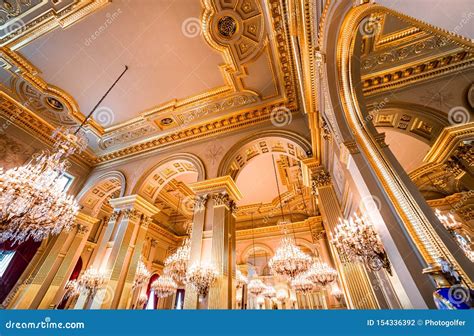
(100, 101)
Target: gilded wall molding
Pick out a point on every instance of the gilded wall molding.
(418, 225)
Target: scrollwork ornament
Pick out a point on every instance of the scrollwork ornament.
(221, 199)
(200, 203)
(321, 178)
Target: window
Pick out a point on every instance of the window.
(66, 181)
(5, 259)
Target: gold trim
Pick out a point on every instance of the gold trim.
(218, 184)
(420, 229)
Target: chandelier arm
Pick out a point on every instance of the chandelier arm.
(100, 101)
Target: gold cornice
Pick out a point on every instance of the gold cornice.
(136, 202)
(399, 37)
(218, 184)
(420, 229)
(447, 141)
(31, 123)
(242, 119)
(82, 218)
(312, 223)
(52, 20)
(415, 72)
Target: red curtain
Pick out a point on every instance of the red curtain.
(23, 254)
(148, 290)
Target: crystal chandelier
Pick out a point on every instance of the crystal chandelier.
(453, 226)
(256, 287)
(302, 284)
(92, 280)
(72, 289)
(241, 279)
(282, 295)
(33, 203)
(269, 292)
(177, 263)
(320, 274)
(164, 286)
(201, 278)
(142, 274)
(355, 239)
(32, 198)
(289, 260)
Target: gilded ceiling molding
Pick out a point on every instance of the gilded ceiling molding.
(32, 91)
(43, 18)
(236, 121)
(448, 140)
(415, 72)
(419, 121)
(31, 123)
(418, 225)
(238, 155)
(311, 60)
(155, 178)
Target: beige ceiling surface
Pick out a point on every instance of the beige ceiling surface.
(148, 36)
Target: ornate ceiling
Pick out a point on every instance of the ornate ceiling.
(195, 68)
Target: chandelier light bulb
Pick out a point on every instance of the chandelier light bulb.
(92, 280)
(302, 284)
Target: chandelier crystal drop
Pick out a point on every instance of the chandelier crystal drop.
(454, 228)
(256, 287)
(241, 279)
(356, 239)
(289, 260)
(201, 278)
(142, 274)
(33, 202)
(142, 299)
(302, 284)
(92, 280)
(177, 263)
(269, 292)
(164, 286)
(336, 292)
(72, 289)
(321, 274)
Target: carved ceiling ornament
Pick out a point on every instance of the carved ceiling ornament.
(23, 20)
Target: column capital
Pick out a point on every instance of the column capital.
(136, 203)
(218, 185)
(320, 178)
(84, 220)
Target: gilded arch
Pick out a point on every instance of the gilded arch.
(349, 121)
(274, 141)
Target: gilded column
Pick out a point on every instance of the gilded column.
(45, 282)
(354, 278)
(218, 225)
(200, 211)
(127, 246)
(55, 290)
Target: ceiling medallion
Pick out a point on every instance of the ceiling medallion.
(166, 121)
(54, 103)
(226, 26)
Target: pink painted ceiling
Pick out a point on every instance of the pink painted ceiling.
(164, 63)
